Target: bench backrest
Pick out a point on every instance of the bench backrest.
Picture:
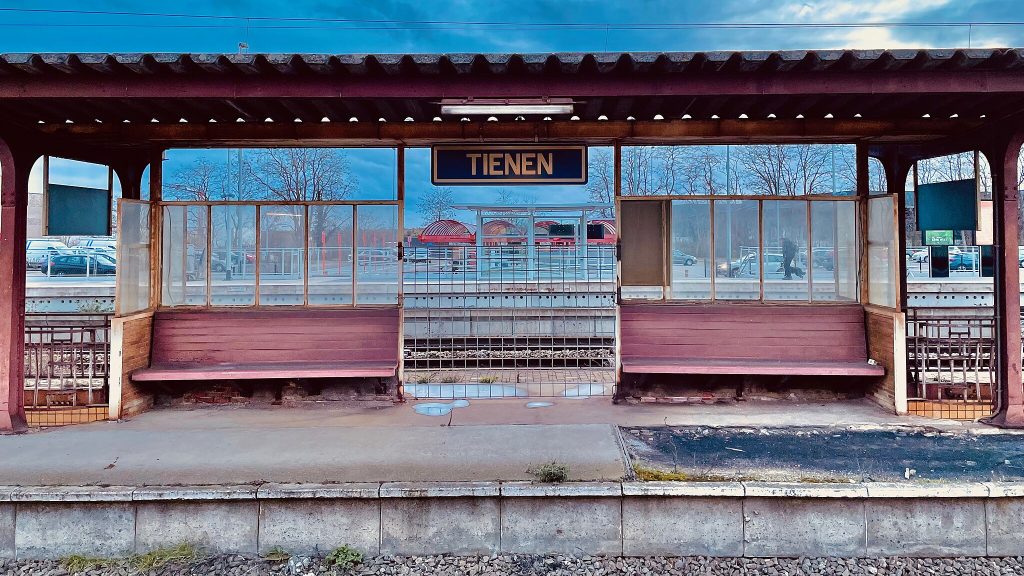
(743, 331)
(262, 336)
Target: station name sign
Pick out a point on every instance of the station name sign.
(481, 165)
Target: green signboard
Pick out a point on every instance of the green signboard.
(938, 237)
(77, 211)
(947, 205)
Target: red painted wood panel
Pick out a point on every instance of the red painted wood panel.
(744, 339)
(758, 367)
(297, 343)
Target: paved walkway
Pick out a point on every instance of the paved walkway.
(487, 440)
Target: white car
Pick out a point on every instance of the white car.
(37, 249)
(919, 256)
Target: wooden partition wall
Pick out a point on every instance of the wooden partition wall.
(130, 340)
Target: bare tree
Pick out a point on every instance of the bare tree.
(305, 175)
(200, 181)
(601, 180)
(436, 204)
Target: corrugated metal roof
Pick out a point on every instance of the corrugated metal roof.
(14, 64)
(890, 85)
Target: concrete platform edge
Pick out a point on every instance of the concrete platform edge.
(596, 518)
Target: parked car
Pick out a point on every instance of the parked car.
(824, 258)
(106, 244)
(742, 265)
(37, 249)
(963, 261)
(918, 256)
(81, 264)
(680, 257)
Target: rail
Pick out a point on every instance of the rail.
(951, 359)
(67, 359)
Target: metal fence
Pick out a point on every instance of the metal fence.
(951, 362)
(509, 320)
(67, 365)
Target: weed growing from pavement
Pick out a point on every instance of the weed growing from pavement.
(344, 558)
(449, 379)
(551, 472)
(488, 379)
(654, 475)
(423, 379)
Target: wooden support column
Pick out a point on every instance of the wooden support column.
(1003, 161)
(15, 166)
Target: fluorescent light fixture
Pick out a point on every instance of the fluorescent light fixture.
(513, 107)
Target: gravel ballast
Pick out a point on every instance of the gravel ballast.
(555, 565)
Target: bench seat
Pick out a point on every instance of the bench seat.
(197, 345)
(745, 339)
(752, 367)
(265, 371)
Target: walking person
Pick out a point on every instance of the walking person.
(788, 255)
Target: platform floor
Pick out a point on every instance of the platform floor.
(487, 440)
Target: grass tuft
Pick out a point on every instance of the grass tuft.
(488, 379)
(77, 563)
(156, 558)
(277, 554)
(449, 379)
(552, 472)
(344, 558)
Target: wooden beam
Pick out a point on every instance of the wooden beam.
(14, 175)
(72, 86)
(1003, 159)
(373, 133)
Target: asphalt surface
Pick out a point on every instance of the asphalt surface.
(817, 454)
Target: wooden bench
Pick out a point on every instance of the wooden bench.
(273, 344)
(754, 339)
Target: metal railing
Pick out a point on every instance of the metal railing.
(510, 320)
(67, 359)
(951, 357)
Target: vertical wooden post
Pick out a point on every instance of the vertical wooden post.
(14, 175)
(863, 190)
(400, 196)
(1006, 284)
(617, 395)
(156, 186)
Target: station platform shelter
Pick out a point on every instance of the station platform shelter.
(711, 280)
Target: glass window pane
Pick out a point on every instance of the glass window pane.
(330, 254)
(196, 234)
(377, 254)
(737, 275)
(691, 250)
(184, 256)
(881, 252)
(282, 255)
(173, 261)
(784, 223)
(233, 262)
(834, 251)
(133, 258)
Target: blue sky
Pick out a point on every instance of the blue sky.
(390, 26)
(576, 25)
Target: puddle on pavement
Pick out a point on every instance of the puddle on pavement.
(439, 408)
(584, 391)
(463, 391)
(539, 404)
